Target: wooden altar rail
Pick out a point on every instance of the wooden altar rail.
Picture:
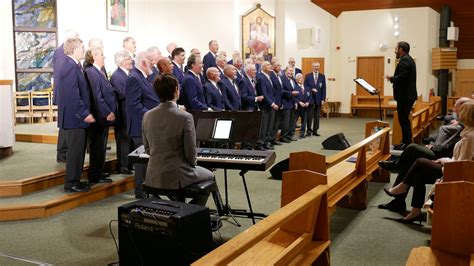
(297, 233)
(452, 231)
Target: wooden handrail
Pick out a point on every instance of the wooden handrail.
(342, 155)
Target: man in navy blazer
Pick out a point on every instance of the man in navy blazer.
(212, 92)
(118, 80)
(289, 101)
(237, 63)
(58, 59)
(140, 97)
(230, 88)
(267, 105)
(178, 55)
(209, 59)
(193, 93)
(248, 89)
(74, 114)
(277, 91)
(103, 107)
(292, 62)
(154, 55)
(316, 82)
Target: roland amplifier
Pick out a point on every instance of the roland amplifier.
(161, 232)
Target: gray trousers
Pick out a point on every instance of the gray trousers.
(61, 147)
(76, 151)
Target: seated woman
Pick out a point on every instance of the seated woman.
(425, 171)
(169, 138)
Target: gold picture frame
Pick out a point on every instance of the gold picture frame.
(258, 33)
(117, 15)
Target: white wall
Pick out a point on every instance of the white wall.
(192, 23)
(360, 33)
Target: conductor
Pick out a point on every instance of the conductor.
(404, 90)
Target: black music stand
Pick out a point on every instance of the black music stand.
(243, 120)
(371, 90)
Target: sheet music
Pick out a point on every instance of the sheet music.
(369, 88)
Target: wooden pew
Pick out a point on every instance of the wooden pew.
(361, 104)
(296, 234)
(434, 109)
(348, 180)
(419, 121)
(452, 231)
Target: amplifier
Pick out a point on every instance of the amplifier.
(155, 231)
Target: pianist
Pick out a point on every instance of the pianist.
(169, 138)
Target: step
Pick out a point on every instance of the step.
(54, 200)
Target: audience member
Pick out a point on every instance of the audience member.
(425, 171)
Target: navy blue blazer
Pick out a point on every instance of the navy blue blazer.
(302, 96)
(319, 85)
(277, 88)
(209, 61)
(240, 75)
(232, 102)
(58, 59)
(265, 88)
(193, 94)
(139, 98)
(154, 73)
(103, 97)
(72, 96)
(287, 99)
(214, 96)
(178, 74)
(248, 94)
(118, 80)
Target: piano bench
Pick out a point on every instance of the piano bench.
(191, 191)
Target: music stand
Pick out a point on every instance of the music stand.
(371, 90)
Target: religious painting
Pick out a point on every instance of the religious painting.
(35, 13)
(258, 33)
(34, 50)
(117, 15)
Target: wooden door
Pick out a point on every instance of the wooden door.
(306, 64)
(371, 69)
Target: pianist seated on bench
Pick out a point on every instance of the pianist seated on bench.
(169, 138)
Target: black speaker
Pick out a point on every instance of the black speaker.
(336, 142)
(278, 169)
(161, 232)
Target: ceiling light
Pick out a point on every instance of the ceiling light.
(396, 33)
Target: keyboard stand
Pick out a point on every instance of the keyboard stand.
(244, 213)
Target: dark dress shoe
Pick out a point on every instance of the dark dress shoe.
(260, 148)
(61, 160)
(292, 138)
(419, 218)
(285, 140)
(268, 147)
(388, 165)
(101, 180)
(105, 174)
(276, 143)
(76, 189)
(302, 136)
(141, 196)
(316, 134)
(125, 172)
(395, 205)
(308, 134)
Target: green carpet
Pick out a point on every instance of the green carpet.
(81, 236)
